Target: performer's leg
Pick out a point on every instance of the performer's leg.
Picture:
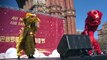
(90, 52)
(97, 47)
(31, 56)
(18, 53)
(19, 50)
(29, 47)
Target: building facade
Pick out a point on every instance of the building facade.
(79, 31)
(60, 8)
(102, 35)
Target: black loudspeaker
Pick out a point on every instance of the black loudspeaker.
(74, 45)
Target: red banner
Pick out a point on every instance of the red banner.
(47, 38)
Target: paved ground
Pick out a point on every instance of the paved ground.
(95, 57)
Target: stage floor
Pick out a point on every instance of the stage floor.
(94, 57)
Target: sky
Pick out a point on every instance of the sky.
(10, 3)
(81, 7)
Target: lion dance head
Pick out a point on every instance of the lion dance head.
(32, 17)
(94, 17)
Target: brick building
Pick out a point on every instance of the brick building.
(102, 35)
(60, 8)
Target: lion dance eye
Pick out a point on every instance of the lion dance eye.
(95, 12)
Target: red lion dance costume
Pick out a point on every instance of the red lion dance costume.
(91, 24)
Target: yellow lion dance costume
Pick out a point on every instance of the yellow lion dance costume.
(26, 41)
